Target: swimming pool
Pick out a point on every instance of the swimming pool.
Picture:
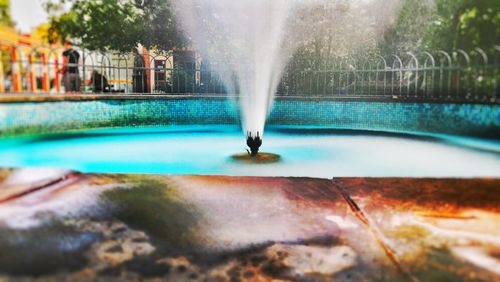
(132, 225)
(198, 135)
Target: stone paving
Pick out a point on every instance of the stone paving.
(64, 225)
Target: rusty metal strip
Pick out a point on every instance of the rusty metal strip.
(374, 230)
(40, 187)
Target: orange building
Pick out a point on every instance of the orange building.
(28, 64)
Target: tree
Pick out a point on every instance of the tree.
(158, 26)
(464, 24)
(114, 24)
(410, 27)
(444, 24)
(5, 18)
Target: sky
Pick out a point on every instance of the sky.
(28, 14)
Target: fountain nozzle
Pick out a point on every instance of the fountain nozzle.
(253, 143)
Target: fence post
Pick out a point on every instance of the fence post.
(45, 75)
(480, 73)
(57, 81)
(496, 63)
(410, 70)
(426, 79)
(2, 78)
(32, 74)
(16, 78)
(467, 90)
(147, 64)
(449, 70)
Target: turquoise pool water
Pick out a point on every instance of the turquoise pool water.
(312, 152)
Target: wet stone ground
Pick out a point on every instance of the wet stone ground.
(66, 226)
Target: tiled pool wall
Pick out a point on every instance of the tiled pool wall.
(478, 120)
(23, 118)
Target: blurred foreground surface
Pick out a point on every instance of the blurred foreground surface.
(63, 225)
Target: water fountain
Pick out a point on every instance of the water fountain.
(249, 42)
(248, 36)
(367, 190)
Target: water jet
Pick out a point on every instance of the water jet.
(249, 43)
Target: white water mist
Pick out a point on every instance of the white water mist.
(249, 42)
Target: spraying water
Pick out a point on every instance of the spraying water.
(249, 42)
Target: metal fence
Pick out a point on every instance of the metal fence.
(428, 76)
(458, 76)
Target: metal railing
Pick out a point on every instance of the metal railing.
(427, 76)
(458, 76)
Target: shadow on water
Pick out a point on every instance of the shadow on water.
(45, 250)
(123, 132)
(443, 139)
(351, 132)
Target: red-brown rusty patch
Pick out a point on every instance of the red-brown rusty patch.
(447, 196)
(444, 215)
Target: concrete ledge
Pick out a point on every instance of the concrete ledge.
(45, 97)
(17, 98)
(167, 227)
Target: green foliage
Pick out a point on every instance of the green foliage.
(116, 25)
(158, 27)
(5, 59)
(5, 18)
(410, 27)
(444, 24)
(464, 24)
